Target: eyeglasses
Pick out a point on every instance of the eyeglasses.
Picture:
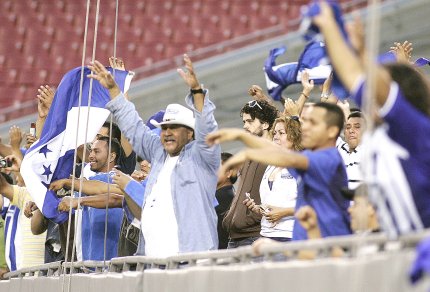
(253, 103)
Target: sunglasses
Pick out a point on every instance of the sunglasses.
(254, 103)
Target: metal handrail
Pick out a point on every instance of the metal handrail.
(243, 255)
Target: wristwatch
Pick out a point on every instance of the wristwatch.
(195, 91)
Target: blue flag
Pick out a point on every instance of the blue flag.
(311, 32)
(313, 59)
(51, 157)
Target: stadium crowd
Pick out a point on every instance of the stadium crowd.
(165, 187)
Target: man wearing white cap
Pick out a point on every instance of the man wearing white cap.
(178, 212)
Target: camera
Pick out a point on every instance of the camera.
(5, 163)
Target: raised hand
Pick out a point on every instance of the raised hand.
(308, 85)
(223, 135)
(188, 75)
(45, 97)
(15, 137)
(257, 93)
(291, 108)
(403, 51)
(102, 75)
(117, 63)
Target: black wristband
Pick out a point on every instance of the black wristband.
(195, 91)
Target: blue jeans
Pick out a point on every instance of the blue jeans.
(234, 243)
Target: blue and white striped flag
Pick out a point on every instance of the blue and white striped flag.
(313, 59)
(311, 32)
(51, 157)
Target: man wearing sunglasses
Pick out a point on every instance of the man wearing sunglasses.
(244, 226)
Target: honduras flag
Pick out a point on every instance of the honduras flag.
(313, 59)
(51, 157)
(311, 32)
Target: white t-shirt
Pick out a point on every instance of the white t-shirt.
(282, 193)
(158, 221)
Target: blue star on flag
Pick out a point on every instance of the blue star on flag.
(47, 172)
(45, 184)
(44, 150)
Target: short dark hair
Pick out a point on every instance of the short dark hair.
(116, 132)
(224, 157)
(413, 85)
(334, 115)
(355, 114)
(115, 146)
(261, 110)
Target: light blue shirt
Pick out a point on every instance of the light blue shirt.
(194, 177)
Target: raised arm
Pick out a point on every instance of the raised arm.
(273, 155)
(97, 201)
(232, 134)
(344, 60)
(190, 79)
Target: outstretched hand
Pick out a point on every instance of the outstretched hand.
(102, 75)
(188, 75)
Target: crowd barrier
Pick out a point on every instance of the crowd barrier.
(371, 262)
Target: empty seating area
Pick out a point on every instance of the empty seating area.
(41, 40)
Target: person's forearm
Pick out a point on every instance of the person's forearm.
(7, 191)
(345, 62)
(254, 141)
(5, 150)
(278, 156)
(302, 100)
(114, 91)
(40, 122)
(99, 201)
(134, 208)
(199, 99)
(39, 223)
(93, 187)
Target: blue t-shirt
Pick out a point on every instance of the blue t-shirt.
(93, 229)
(320, 187)
(401, 169)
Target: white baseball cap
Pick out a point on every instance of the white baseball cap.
(176, 114)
